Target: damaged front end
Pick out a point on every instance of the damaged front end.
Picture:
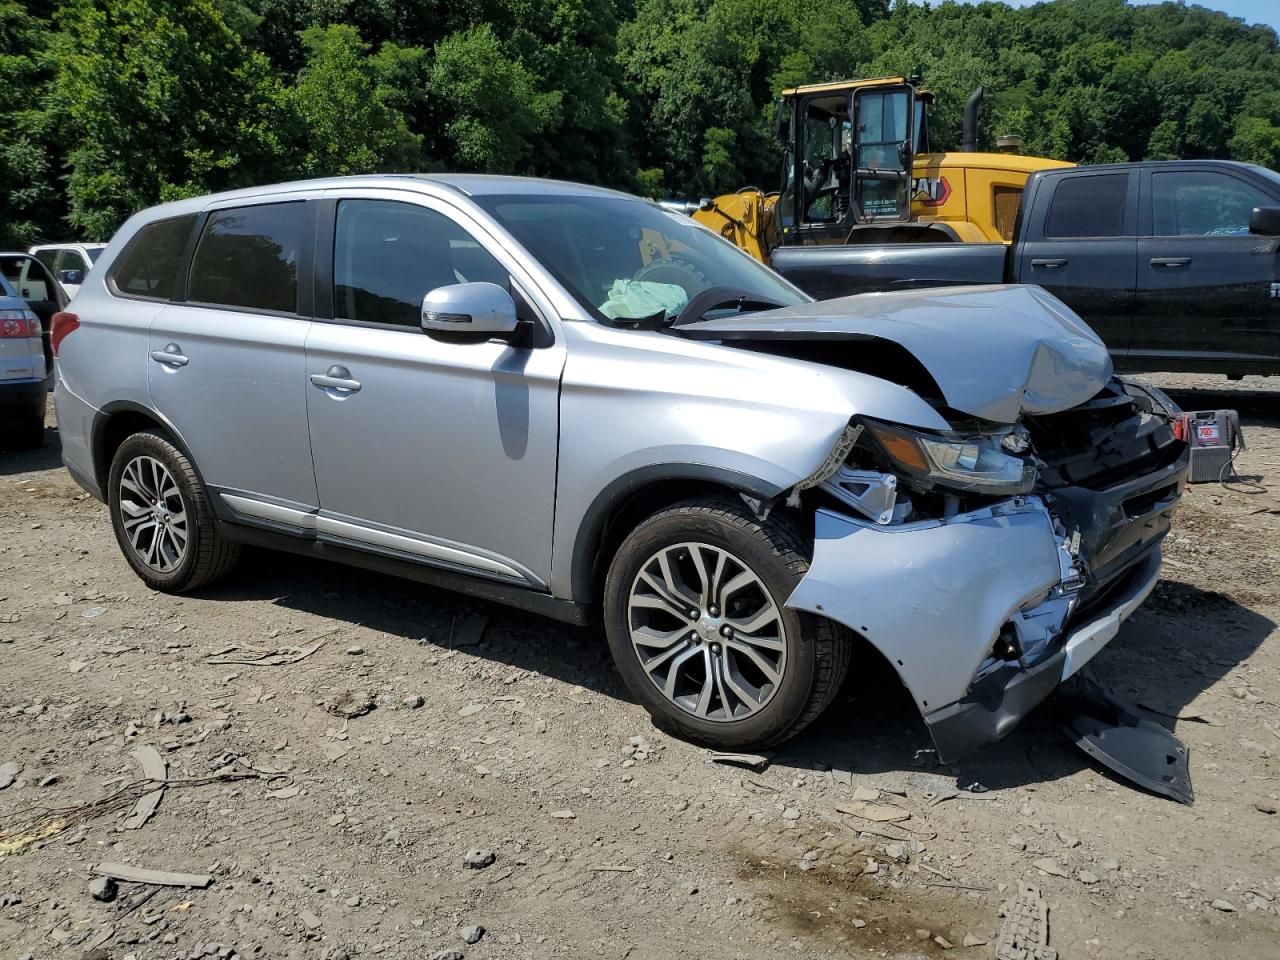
(990, 564)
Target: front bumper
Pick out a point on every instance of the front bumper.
(933, 597)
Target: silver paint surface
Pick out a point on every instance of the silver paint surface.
(996, 352)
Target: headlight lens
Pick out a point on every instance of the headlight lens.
(978, 464)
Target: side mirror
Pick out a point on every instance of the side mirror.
(73, 277)
(470, 308)
(1265, 221)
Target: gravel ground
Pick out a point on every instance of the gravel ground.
(375, 768)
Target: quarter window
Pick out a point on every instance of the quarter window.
(148, 267)
(1202, 203)
(248, 257)
(1088, 207)
(389, 255)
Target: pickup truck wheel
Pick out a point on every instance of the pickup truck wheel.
(696, 623)
(162, 518)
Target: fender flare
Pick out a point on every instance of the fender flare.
(97, 438)
(592, 526)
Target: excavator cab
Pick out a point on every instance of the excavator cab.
(849, 150)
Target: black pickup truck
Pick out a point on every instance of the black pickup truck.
(1175, 264)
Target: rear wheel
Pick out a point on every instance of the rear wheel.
(695, 615)
(162, 518)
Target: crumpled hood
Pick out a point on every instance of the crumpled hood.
(995, 352)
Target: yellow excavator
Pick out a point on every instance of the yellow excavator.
(858, 168)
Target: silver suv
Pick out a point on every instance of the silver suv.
(569, 399)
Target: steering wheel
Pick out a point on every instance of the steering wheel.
(674, 270)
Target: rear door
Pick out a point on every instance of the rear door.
(226, 362)
(1204, 282)
(1081, 245)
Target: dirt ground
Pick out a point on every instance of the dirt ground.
(347, 837)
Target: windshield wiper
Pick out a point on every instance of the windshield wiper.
(717, 298)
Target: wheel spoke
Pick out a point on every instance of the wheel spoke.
(135, 534)
(660, 601)
(708, 685)
(653, 663)
(765, 615)
(658, 639)
(740, 689)
(720, 687)
(673, 674)
(744, 579)
(761, 664)
(673, 585)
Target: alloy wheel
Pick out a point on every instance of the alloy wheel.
(707, 631)
(153, 513)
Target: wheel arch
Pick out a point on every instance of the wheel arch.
(628, 499)
(115, 423)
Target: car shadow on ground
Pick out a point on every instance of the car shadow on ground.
(1183, 642)
(47, 457)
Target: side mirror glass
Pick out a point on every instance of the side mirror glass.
(73, 277)
(1265, 221)
(470, 308)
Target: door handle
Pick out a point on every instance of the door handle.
(1170, 261)
(338, 378)
(1051, 263)
(171, 356)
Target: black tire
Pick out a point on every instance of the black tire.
(208, 555)
(817, 650)
(29, 433)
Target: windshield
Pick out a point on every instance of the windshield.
(629, 259)
(94, 253)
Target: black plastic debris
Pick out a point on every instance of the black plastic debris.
(1111, 732)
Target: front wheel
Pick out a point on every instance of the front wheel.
(162, 517)
(695, 616)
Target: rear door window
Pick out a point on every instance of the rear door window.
(388, 255)
(148, 267)
(247, 257)
(1088, 207)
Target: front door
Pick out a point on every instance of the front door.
(227, 366)
(442, 452)
(1083, 249)
(1205, 284)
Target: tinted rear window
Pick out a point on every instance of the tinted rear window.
(149, 265)
(248, 257)
(1088, 206)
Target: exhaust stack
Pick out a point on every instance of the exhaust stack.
(969, 136)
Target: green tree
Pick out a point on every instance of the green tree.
(159, 99)
(347, 107)
(29, 194)
(493, 108)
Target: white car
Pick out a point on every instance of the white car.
(69, 262)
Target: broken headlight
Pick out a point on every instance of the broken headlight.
(979, 463)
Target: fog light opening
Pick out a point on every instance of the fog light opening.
(1007, 646)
